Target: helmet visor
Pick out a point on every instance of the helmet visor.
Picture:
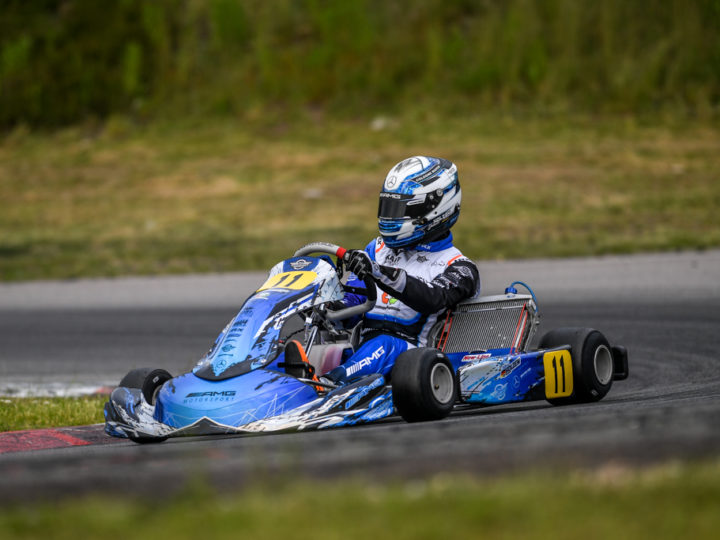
(398, 206)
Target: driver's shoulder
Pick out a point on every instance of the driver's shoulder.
(454, 255)
(374, 247)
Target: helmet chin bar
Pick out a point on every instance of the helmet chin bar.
(409, 242)
(424, 237)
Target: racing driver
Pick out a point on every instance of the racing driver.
(417, 269)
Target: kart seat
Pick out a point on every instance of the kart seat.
(326, 357)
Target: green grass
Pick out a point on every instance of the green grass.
(670, 501)
(223, 195)
(63, 62)
(34, 413)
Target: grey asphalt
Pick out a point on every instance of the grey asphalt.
(664, 307)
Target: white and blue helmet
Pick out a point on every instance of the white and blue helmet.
(419, 201)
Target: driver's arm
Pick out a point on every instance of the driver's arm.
(459, 281)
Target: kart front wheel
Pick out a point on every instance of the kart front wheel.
(149, 381)
(592, 363)
(423, 385)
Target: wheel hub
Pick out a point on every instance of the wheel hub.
(603, 365)
(441, 380)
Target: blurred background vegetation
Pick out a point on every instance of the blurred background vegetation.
(214, 135)
(66, 60)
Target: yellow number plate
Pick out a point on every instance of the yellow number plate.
(558, 374)
(289, 280)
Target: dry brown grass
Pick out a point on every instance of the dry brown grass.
(222, 196)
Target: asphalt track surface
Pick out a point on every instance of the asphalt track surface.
(664, 308)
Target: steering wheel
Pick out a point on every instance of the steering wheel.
(370, 292)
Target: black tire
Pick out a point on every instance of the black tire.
(424, 385)
(592, 363)
(149, 380)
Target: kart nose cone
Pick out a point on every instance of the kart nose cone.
(232, 402)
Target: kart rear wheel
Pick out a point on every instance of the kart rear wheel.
(149, 380)
(424, 386)
(592, 363)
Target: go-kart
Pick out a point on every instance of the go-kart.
(478, 355)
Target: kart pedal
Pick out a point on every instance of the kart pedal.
(296, 362)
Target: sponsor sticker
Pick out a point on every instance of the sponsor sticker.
(475, 357)
(508, 370)
(226, 393)
(500, 391)
(199, 397)
(300, 264)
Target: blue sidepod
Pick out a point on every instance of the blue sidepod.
(256, 395)
(496, 377)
